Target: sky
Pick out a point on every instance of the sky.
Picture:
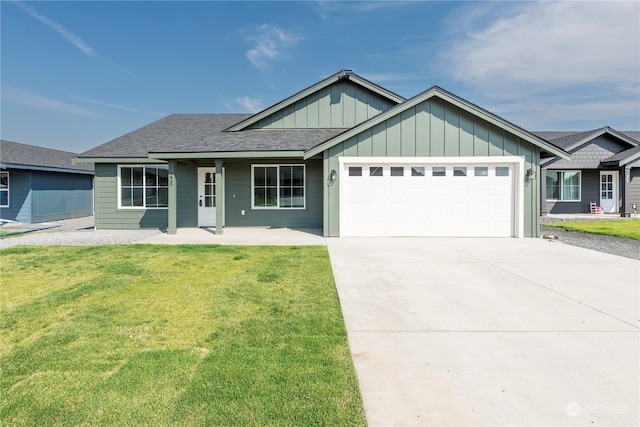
(75, 75)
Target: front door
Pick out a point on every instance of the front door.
(206, 197)
(609, 191)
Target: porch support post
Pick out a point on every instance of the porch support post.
(219, 194)
(173, 199)
(625, 179)
(542, 178)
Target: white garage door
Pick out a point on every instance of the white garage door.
(428, 199)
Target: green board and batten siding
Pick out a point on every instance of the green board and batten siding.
(238, 197)
(433, 128)
(237, 194)
(341, 105)
(108, 216)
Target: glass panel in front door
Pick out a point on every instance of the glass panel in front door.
(606, 187)
(210, 190)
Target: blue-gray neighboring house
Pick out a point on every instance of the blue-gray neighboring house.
(604, 169)
(40, 184)
(344, 155)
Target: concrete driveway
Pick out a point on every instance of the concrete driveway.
(490, 332)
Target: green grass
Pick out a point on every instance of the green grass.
(629, 229)
(173, 335)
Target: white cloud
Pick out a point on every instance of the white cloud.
(72, 38)
(33, 100)
(556, 59)
(268, 42)
(252, 105)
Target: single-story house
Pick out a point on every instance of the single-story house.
(604, 169)
(345, 155)
(40, 184)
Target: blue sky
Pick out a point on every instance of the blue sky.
(77, 74)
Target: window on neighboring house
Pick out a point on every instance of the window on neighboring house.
(144, 186)
(278, 186)
(563, 185)
(4, 189)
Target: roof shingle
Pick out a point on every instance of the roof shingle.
(14, 153)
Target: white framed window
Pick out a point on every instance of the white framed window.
(563, 185)
(4, 189)
(278, 186)
(143, 187)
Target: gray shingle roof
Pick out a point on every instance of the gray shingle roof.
(566, 139)
(13, 153)
(624, 157)
(193, 133)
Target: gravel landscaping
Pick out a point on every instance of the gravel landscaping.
(73, 232)
(627, 248)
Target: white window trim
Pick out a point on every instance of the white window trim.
(561, 200)
(304, 186)
(144, 186)
(7, 190)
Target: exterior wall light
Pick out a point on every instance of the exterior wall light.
(531, 174)
(333, 176)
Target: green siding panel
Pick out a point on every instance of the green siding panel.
(452, 131)
(433, 129)
(466, 134)
(437, 135)
(238, 197)
(108, 216)
(341, 105)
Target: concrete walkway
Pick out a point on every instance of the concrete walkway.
(240, 236)
(490, 332)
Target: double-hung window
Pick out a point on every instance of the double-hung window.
(4, 189)
(143, 186)
(563, 185)
(278, 186)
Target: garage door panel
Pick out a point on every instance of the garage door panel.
(478, 204)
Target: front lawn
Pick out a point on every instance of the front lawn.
(173, 335)
(627, 228)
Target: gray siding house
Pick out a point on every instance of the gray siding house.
(604, 169)
(40, 184)
(344, 155)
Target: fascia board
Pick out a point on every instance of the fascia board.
(228, 155)
(44, 169)
(445, 96)
(376, 89)
(123, 160)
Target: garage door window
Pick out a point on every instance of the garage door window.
(439, 171)
(502, 171)
(397, 171)
(417, 171)
(278, 187)
(459, 171)
(375, 171)
(355, 171)
(481, 171)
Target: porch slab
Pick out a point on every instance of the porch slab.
(241, 236)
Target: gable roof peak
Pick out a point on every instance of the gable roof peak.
(342, 74)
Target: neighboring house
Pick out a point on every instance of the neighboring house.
(40, 184)
(604, 169)
(344, 155)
